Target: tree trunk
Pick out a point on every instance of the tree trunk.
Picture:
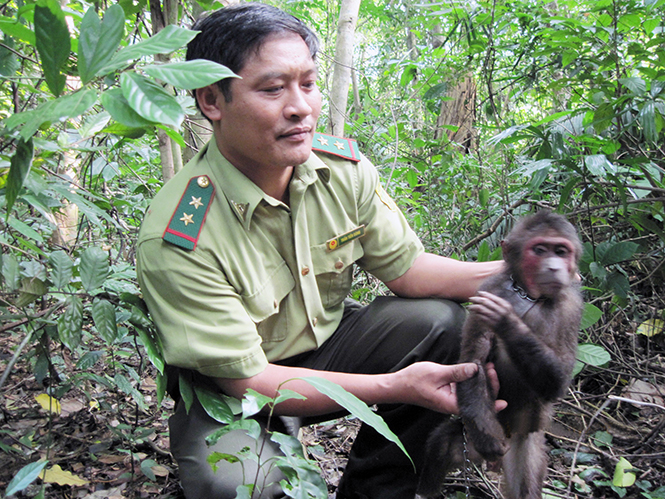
(460, 112)
(339, 94)
(169, 151)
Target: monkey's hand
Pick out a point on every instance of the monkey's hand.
(492, 310)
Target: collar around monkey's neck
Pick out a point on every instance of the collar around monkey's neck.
(525, 302)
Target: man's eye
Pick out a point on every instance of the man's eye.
(272, 90)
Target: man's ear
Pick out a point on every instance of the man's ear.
(208, 99)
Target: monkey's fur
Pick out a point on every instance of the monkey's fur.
(532, 341)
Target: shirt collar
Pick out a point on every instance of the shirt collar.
(242, 194)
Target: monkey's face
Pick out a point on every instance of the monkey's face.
(549, 264)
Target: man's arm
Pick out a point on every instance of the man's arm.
(433, 275)
(426, 384)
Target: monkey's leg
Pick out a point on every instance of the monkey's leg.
(476, 405)
(525, 466)
(444, 452)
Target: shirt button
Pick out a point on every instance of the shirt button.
(315, 321)
(274, 304)
(305, 270)
(339, 264)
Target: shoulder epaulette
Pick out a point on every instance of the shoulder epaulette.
(337, 146)
(187, 220)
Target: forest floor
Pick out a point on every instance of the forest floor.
(107, 452)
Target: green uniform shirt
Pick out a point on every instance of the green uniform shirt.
(248, 280)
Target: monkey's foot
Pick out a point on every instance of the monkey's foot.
(487, 440)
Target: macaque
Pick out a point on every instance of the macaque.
(524, 320)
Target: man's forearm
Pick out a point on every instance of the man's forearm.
(426, 384)
(434, 275)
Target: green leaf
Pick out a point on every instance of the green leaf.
(62, 268)
(18, 31)
(150, 100)
(356, 407)
(120, 110)
(99, 40)
(593, 355)
(590, 316)
(146, 468)
(619, 252)
(189, 75)
(8, 62)
(619, 284)
(124, 385)
(151, 347)
(647, 118)
(175, 136)
(186, 391)
(18, 171)
(623, 474)
(635, 84)
(103, 315)
(89, 359)
(70, 323)
(166, 41)
(25, 477)
(53, 43)
(94, 268)
(214, 405)
(54, 110)
(253, 402)
(11, 272)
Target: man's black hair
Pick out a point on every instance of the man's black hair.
(228, 36)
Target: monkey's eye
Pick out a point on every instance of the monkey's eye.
(561, 251)
(539, 250)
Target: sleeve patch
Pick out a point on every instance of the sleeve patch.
(187, 220)
(337, 146)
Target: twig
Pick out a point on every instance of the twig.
(494, 226)
(17, 354)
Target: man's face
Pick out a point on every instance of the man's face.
(272, 116)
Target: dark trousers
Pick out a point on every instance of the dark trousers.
(385, 336)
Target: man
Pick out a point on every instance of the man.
(246, 257)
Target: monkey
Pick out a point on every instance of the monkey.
(525, 320)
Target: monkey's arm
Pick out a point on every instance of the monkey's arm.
(540, 366)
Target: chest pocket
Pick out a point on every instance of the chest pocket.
(265, 306)
(334, 271)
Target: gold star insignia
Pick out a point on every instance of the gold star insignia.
(187, 219)
(339, 145)
(196, 202)
(322, 140)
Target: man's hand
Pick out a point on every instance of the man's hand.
(432, 385)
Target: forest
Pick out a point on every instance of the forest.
(475, 113)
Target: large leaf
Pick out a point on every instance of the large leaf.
(94, 268)
(623, 474)
(70, 323)
(151, 347)
(58, 109)
(103, 315)
(591, 315)
(190, 74)
(356, 407)
(18, 31)
(214, 405)
(99, 40)
(25, 477)
(8, 62)
(62, 268)
(166, 41)
(619, 252)
(18, 171)
(120, 110)
(150, 100)
(53, 43)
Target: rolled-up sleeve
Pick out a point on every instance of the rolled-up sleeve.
(200, 317)
(390, 245)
